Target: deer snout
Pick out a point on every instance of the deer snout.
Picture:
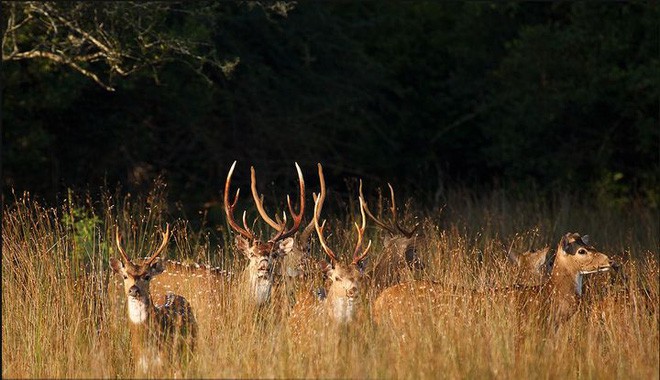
(263, 265)
(134, 291)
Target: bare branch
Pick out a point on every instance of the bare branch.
(59, 59)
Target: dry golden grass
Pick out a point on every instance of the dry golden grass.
(64, 316)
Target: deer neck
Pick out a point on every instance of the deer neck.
(139, 310)
(260, 287)
(340, 308)
(565, 285)
(566, 279)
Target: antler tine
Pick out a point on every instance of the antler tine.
(297, 218)
(378, 222)
(229, 208)
(395, 222)
(245, 224)
(360, 231)
(357, 260)
(161, 248)
(319, 232)
(259, 202)
(301, 182)
(121, 250)
(393, 208)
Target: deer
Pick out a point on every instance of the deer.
(399, 259)
(340, 301)
(158, 333)
(557, 298)
(262, 255)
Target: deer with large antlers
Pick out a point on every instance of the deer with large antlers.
(557, 298)
(158, 333)
(399, 258)
(341, 299)
(263, 254)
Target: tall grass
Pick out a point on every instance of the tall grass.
(63, 311)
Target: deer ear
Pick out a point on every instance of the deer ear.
(285, 246)
(242, 244)
(514, 258)
(156, 267)
(565, 243)
(116, 265)
(325, 266)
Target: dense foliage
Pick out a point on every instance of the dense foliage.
(422, 94)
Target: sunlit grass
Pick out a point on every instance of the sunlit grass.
(64, 313)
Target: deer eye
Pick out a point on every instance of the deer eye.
(582, 251)
(147, 277)
(125, 277)
(337, 278)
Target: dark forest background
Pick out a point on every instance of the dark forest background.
(526, 97)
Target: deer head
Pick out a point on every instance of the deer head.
(575, 258)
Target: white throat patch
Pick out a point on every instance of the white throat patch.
(578, 284)
(261, 291)
(149, 361)
(137, 310)
(343, 309)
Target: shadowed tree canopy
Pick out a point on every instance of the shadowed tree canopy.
(426, 95)
(108, 39)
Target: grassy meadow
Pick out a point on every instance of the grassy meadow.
(64, 312)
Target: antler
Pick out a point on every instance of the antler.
(161, 248)
(229, 209)
(360, 230)
(121, 250)
(319, 232)
(395, 226)
(259, 202)
(307, 232)
(283, 233)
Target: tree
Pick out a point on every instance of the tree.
(106, 40)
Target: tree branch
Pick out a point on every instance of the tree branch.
(59, 59)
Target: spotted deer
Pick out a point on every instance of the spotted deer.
(557, 299)
(340, 301)
(162, 333)
(258, 276)
(399, 259)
